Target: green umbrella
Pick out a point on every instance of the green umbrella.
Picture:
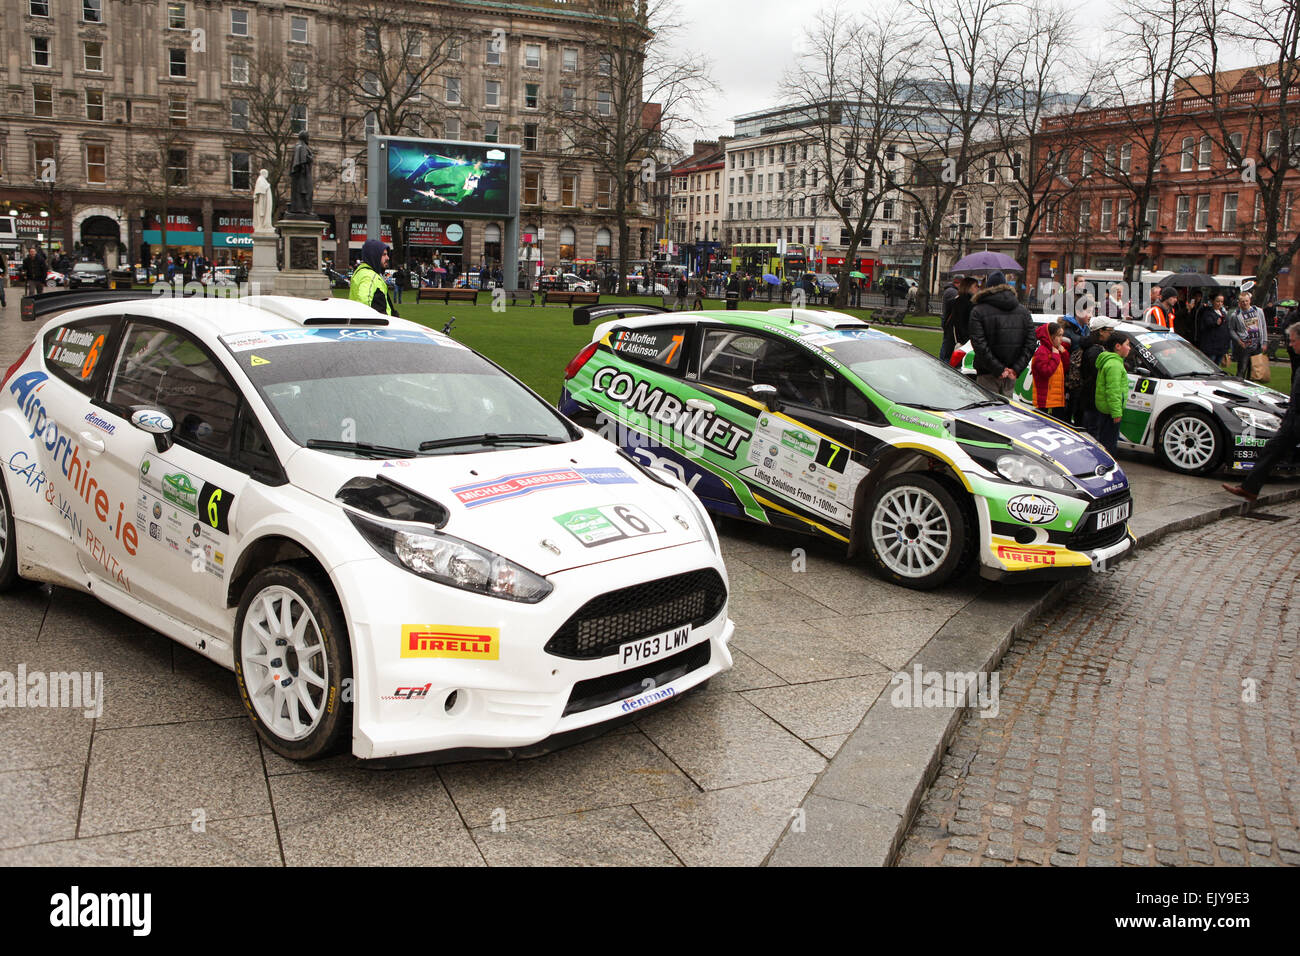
(856, 275)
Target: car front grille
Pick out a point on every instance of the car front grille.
(598, 627)
(1088, 538)
(599, 691)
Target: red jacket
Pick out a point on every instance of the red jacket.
(1048, 369)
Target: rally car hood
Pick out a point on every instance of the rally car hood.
(549, 508)
(1233, 390)
(1028, 432)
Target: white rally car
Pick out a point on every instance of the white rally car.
(1182, 407)
(392, 542)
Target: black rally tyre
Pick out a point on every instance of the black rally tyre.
(918, 534)
(1189, 442)
(8, 542)
(293, 663)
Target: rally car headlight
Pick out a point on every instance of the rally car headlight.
(706, 526)
(1253, 418)
(451, 561)
(1024, 470)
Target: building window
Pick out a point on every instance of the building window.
(568, 98)
(1126, 158)
(1110, 158)
(604, 103)
(491, 131)
(530, 95)
(531, 187)
(1202, 212)
(452, 127)
(238, 68)
(1013, 220)
(887, 209)
(1186, 161)
(1152, 216)
(39, 8)
(298, 117)
(1107, 214)
(96, 164)
(370, 124)
(178, 167)
(533, 56)
(1085, 215)
(963, 214)
(239, 23)
(530, 136)
(453, 89)
(175, 16)
(297, 29)
(569, 61)
(297, 75)
(238, 114)
(1085, 163)
(991, 171)
(95, 105)
(1205, 154)
(241, 171)
(42, 99)
(1182, 213)
(178, 111)
(1235, 140)
(605, 64)
(492, 93)
(92, 56)
(604, 192)
(40, 51)
(1230, 212)
(495, 47)
(568, 189)
(178, 62)
(370, 39)
(92, 11)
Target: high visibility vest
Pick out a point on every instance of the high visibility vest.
(365, 281)
(1159, 316)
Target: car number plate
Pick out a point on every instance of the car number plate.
(1113, 515)
(652, 648)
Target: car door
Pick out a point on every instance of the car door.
(1143, 389)
(184, 497)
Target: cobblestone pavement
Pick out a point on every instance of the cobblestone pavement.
(1150, 719)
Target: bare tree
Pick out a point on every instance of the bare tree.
(1150, 51)
(276, 90)
(159, 173)
(1047, 75)
(956, 93)
(1256, 123)
(853, 87)
(631, 67)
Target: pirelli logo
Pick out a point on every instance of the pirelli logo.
(440, 640)
(1026, 555)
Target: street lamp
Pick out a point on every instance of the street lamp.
(696, 248)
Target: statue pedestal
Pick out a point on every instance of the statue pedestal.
(301, 275)
(263, 272)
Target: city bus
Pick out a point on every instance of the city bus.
(755, 257)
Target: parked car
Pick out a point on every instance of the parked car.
(895, 285)
(637, 286)
(88, 275)
(459, 569)
(811, 421)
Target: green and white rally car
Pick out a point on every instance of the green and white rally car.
(814, 421)
(1195, 417)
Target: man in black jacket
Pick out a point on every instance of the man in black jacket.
(950, 338)
(1002, 335)
(1283, 443)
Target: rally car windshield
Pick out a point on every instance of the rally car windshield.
(908, 376)
(1177, 357)
(393, 393)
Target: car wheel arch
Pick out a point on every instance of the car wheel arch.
(265, 552)
(1186, 404)
(897, 461)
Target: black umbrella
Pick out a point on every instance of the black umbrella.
(1186, 280)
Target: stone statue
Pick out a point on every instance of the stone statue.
(263, 204)
(300, 177)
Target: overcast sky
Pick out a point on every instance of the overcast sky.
(750, 43)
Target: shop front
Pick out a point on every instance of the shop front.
(429, 239)
(357, 237)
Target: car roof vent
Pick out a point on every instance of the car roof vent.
(317, 312)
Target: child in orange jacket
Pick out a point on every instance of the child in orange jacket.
(1048, 368)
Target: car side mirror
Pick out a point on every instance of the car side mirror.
(157, 423)
(765, 394)
(1143, 371)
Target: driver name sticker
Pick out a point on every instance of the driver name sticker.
(597, 526)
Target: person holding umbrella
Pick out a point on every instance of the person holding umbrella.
(1216, 335)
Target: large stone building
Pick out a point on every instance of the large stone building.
(112, 111)
(696, 206)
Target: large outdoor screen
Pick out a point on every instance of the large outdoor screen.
(427, 176)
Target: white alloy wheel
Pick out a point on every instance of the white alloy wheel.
(1190, 443)
(911, 531)
(285, 665)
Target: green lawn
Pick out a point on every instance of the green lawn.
(536, 343)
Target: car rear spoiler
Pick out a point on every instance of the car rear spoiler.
(585, 315)
(48, 303)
